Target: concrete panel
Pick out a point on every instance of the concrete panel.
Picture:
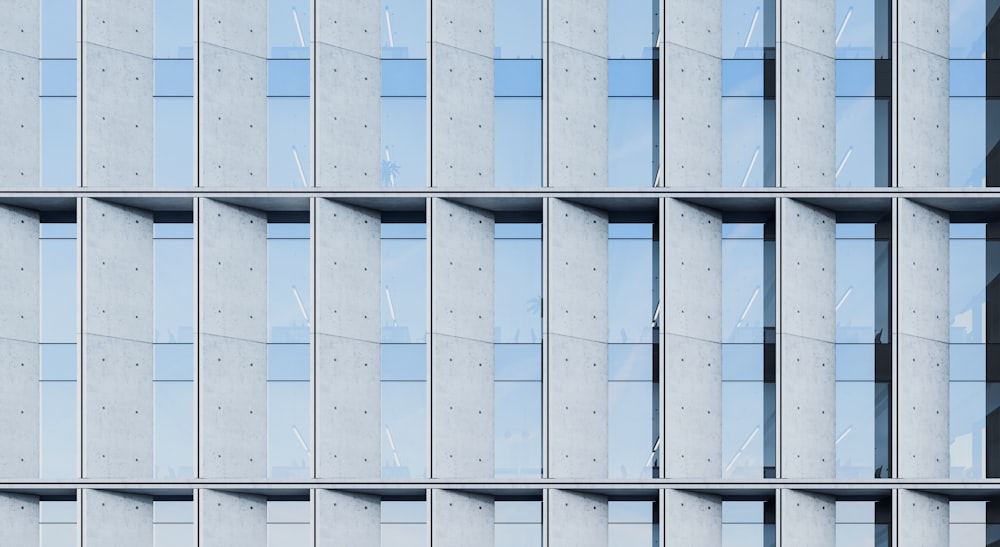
(348, 117)
(808, 240)
(923, 116)
(232, 350)
(227, 519)
(116, 519)
(459, 519)
(462, 266)
(577, 520)
(693, 262)
(232, 116)
(922, 243)
(922, 519)
(807, 519)
(18, 520)
(924, 24)
(578, 271)
(693, 519)
(464, 25)
(346, 519)
(348, 388)
(20, 119)
(579, 24)
(808, 118)
(578, 408)
(235, 25)
(19, 331)
(125, 25)
(811, 25)
(117, 118)
(696, 26)
(694, 120)
(462, 116)
(578, 121)
(353, 25)
(20, 32)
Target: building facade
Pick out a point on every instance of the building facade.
(499, 273)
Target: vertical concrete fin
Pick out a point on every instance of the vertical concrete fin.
(693, 519)
(20, 111)
(227, 519)
(18, 520)
(578, 334)
(118, 272)
(922, 250)
(578, 121)
(348, 389)
(922, 519)
(232, 381)
(346, 519)
(116, 519)
(807, 236)
(807, 519)
(459, 519)
(922, 110)
(692, 319)
(19, 363)
(577, 519)
(462, 281)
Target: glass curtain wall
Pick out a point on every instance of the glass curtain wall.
(517, 70)
(404, 93)
(173, 523)
(864, 523)
(518, 523)
(57, 523)
(748, 523)
(633, 523)
(974, 33)
(404, 523)
(288, 91)
(173, 95)
(289, 523)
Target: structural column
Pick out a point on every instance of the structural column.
(577, 341)
(807, 48)
(232, 349)
(462, 393)
(922, 132)
(692, 319)
(806, 341)
(922, 255)
(117, 341)
(228, 519)
(19, 337)
(116, 519)
(232, 93)
(808, 519)
(922, 519)
(348, 373)
(462, 92)
(693, 519)
(459, 519)
(20, 119)
(118, 94)
(348, 90)
(346, 519)
(576, 519)
(578, 93)
(18, 520)
(693, 98)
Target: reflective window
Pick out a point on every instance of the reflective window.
(972, 522)
(173, 96)
(289, 308)
(404, 351)
(864, 89)
(173, 22)
(633, 29)
(288, 29)
(404, 29)
(517, 524)
(173, 524)
(633, 382)
(404, 523)
(633, 523)
(518, 123)
(288, 123)
(748, 524)
(862, 29)
(747, 29)
(57, 523)
(59, 29)
(289, 523)
(58, 95)
(863, 350)
(967, 29)
(863, 523)
(58, 351)
(518, 29)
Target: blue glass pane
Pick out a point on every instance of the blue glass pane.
(967, 29)
(743, 142)
(630, 78)
(173, 429)
(630, 535)
(404, 512)
(967, 362)
(404, 290)
(58, 290)
(174, 78)
(173, 535)
(967, 142)
(743, 28)
(518, 512)
(404, 430)
(633, 512)
(967, 78)
(59, 29)
(58, 362)
(749, 512)
(967, 430)
(404, 230)
(288, 25)
(404, 78)
(173, 512)
(630, 362)
(632, 429)
(58, 429)
(855, 362)
(743, 290)
(855, 430)
(517, 230)
(855, 304)
(518, 291)
(513, 362)
(289, 299)
(630, 230)
(967, 291)
(288, 78)
(174, 290)
(174, 147)
(404, 535)
(632, 295)
(743, 362)
(58, 230)
(404, 362)
(737, 230)
(518, 29)
(855, 230)
(743, 535)
(856, 33)
(289, 512)
(404, 142)
(517, 535)
(967, 512)
(287, 230)
(518, 146)
(59, 144)
(288, 153)
(855, 142)
(518, 429)
(967, 230)
(290, 535)
(855, 78)
(632, 150)
(58, 78)
(173, 362)
(632, 29)
(174, 29)
(521, 78)
(289, 430)
(404, 29)
(742, 78)
(288, 362)
(743, 429)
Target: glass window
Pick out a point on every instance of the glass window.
(289, 523)
(967, 29)
(518, 29)
(174, 29)
(288, 29)
(747, 28)
(59, 29)
(57, 523)
(748, 524)
(633, 29)
(632, 523)
(404, 29)
(404, 523)
(517, 523)
(518, 123)
(173, 524)
(863, 523)
(404, 142)
(967, 523)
